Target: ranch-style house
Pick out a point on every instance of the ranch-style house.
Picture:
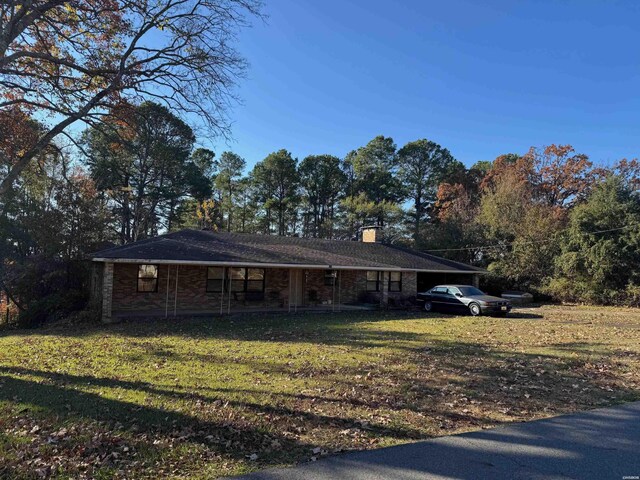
(212, 273)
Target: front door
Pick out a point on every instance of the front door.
(297, 287)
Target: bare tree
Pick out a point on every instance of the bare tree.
(71, 61)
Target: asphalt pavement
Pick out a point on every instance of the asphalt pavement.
(596, 445)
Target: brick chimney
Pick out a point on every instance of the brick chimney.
(372, 234)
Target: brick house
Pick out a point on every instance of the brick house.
(203, 272)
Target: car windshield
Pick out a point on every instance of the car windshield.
(470, 291)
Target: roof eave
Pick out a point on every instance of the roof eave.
(277, 265)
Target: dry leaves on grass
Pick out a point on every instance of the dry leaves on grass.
(227, 397)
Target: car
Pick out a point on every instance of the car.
(463, 299)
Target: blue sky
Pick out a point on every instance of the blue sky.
(480, 78)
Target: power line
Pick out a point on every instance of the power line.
(490, 247)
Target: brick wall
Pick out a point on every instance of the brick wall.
(409, 288)
(409, 285)
(192, 294)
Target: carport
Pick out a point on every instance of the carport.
(427, 280)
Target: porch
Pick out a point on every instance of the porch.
(178, 290)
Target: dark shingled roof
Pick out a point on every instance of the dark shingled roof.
(242, 248)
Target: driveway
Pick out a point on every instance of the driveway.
(600, 444)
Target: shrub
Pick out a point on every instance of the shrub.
(52, 307)
(573, 291)
(633, 295)
(494, 284)
(600, 258)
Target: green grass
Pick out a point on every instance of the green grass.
(206, 398)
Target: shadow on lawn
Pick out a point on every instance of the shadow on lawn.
(338, 329)
(155, 418)
(458, 385)
(52, 392)
(488, 376)
(441, 384)
(319, 328)
(55, 396)
(233, 327)
(349, 329)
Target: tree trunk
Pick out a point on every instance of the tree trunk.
(419, 208)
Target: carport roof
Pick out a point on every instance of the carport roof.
(221, 248)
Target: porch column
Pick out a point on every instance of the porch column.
(107, 292)
(296, 288)
(290, 289)
(384, 296)
(297, 277)
(476, 280)
(175, 297)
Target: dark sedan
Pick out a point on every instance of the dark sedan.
(463, 299)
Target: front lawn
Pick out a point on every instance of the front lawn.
(206, 398)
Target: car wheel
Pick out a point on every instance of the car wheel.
(428, 306)
(474, 309)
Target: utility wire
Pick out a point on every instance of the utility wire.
(490, 247)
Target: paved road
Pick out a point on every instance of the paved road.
(595, 445)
